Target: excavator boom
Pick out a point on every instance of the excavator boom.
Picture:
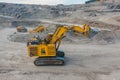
(38, 29)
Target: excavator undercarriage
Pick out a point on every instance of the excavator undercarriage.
(57, 60)
(49, 61)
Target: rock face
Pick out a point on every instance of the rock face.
(21, 10)
(45, 11)
(34, 11)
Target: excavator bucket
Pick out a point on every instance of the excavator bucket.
(86, 30)
(93, 32)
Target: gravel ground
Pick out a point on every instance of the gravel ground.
(83, 62)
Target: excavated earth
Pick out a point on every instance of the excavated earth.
(104, 36)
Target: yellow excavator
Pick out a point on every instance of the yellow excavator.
(46, 50)
(38, 29)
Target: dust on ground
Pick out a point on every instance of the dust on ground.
(83, 61)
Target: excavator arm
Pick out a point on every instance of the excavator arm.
(85, 29)
(61, 30)
(38, 29)
(58, 34)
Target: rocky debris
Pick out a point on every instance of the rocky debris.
(93, 14)
(35, 11)
(103, 37)
(80, 12)
(114, 6)
(25, 23)
(117, 34)
(24, 37)
(22, 11)
(19, 37)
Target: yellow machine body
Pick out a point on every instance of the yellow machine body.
(42, 50)
(38, 29)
